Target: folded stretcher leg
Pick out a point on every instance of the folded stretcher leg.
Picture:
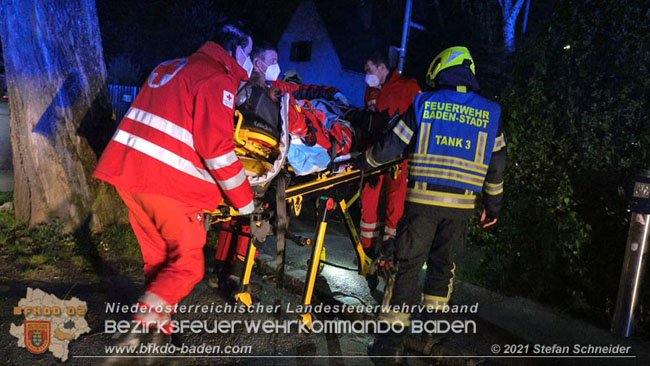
(243, 296)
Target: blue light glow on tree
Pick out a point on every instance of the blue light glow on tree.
(510, 13)
(56, 80)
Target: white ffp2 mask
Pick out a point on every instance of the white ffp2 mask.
(272, 72)
(248, 64)
(372, 80)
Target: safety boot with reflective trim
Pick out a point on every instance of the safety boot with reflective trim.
(425, 342)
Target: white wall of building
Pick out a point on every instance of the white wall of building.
(324, 68)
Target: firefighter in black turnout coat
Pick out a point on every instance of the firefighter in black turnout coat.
(456, 150)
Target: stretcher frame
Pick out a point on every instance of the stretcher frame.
(334, 201)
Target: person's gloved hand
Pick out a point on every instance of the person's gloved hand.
(387, 250)
(386, 256)
(339, 97)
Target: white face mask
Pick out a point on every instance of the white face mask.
(272, 72)
(372, 80)
(248, 64)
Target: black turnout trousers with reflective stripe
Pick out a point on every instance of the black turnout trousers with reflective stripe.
(426, 235)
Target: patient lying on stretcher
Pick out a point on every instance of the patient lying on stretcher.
(302, 127)
(318, 130)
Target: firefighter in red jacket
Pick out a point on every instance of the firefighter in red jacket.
(173, 156)
(231, 250)
(390, 93)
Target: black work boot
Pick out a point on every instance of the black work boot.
(159, 339)
(221, 270)
(388, 349)
(129, 344)
(425, 342)
(225, 278)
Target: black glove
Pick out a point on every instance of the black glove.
(387, 250)
(386, 259)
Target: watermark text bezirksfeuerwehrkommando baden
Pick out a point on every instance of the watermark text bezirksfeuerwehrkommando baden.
(277, 326)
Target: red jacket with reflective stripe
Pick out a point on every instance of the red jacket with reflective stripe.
(177, 138)
(395, 95)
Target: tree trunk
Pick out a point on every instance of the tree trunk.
(60, 111)
(510, 13)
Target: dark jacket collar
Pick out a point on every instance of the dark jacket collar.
(219, 54)
(455, 76)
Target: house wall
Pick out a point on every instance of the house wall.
(324, 68)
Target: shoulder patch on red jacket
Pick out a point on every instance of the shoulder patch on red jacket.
(228, 99)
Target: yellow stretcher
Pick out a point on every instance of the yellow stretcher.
(254, 149)
(333, 201)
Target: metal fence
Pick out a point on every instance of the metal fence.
(121, 98)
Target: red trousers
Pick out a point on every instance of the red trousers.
(371, 228)
(232, 247)
(171, 236)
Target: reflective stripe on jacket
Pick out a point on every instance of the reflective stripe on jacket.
(177, 137)
(454, 132)
(439, 175)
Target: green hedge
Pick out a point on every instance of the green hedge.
(578, 127)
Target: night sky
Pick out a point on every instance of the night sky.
(149, 31)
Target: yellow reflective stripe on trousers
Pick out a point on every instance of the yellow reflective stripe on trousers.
(434, 301)
(493, 189)
(161, 154)
(161, 124)
(468, 178)
(440, 198)
(448, 161)
(499, 143)
(393, 317)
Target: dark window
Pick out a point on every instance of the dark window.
(301, 51)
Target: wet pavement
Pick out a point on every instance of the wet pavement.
(334, 286)
(348, 287)
(256, 347)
